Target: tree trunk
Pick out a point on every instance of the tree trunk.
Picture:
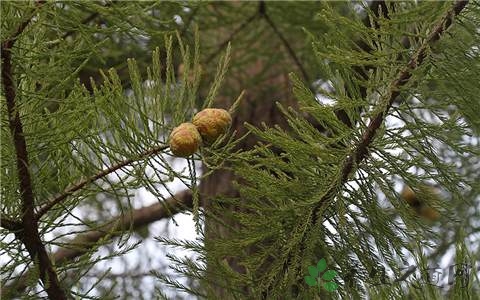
(257, 107)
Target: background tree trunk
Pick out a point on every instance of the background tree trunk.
(257, 107)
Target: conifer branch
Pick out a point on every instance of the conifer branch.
(84, 182)
(378, 8)
(8, 43)
(403, 77)
(85, 242)
(361, 150)
(87, 20)
(29, 234)
(340, 114)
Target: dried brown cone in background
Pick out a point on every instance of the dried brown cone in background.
(415, 201)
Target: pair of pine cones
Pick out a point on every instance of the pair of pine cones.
(418, 203)
(207, 125)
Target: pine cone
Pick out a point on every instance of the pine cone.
(409, 195)
(185, 140)
(429, 213)
(211, 123)
(418, 203)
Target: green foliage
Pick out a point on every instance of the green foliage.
(300, 198)
(100, 85)
(95, 134)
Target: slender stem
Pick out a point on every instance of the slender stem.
(84, 182)
(289, 48)
(232, 35)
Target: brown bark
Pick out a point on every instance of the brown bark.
(29, 233)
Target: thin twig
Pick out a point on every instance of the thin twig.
(289, 48)
(232, 35)
(87, 20)
(87, 241)
(407, 273)
(29, 234)
(82, 183)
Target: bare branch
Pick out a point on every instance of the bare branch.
(85, 242)
(289, 48)
(232, 35)
(118, 225)
(82, 183)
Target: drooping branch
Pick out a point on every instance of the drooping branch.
(87, 241)
(360, 152)
(84, 182)
(401, 80)
(29, 234)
